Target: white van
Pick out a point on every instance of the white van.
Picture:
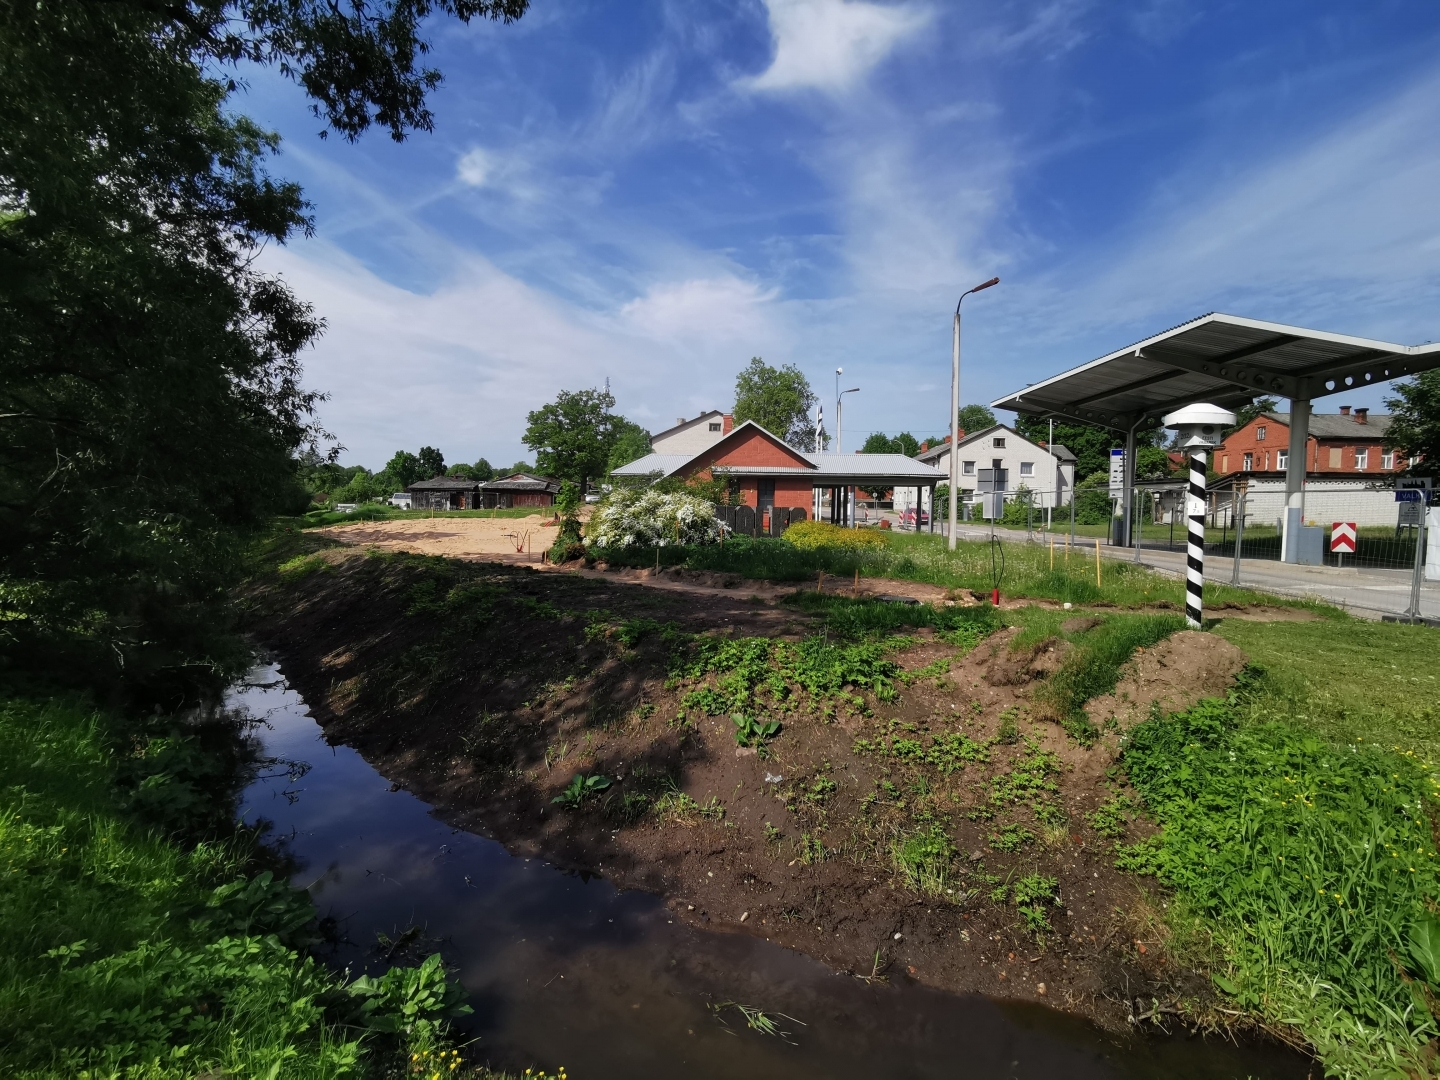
(400, 499)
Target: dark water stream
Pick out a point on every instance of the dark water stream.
(567, 971)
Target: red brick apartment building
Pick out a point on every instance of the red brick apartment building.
(1344, 444)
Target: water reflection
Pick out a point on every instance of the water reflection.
(564, 971)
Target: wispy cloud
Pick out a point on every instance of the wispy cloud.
(831, 45)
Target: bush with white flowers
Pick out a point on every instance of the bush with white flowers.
(649, 518)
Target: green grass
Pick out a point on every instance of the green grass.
(1305, 862)
(1350, 679)
(125, 951)
(1027, 572)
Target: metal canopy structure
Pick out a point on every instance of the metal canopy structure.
(1222, 359)
(1227, 361)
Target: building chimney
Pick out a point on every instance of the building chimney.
(1362, 416)
(925, 446)
(1344, 410)
(679, 420)
(729, 424)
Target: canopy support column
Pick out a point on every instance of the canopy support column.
(1127, 496)
(1295, 465)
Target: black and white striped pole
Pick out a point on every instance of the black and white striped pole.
(1199, 428)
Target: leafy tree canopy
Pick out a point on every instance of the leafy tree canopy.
(632, 442)
(432, 462)
(880, 443)
(1091, 445)
(974, 418)
(779, 400)
(574, 435)
(405, 468)
(518, 467)
(151, 403)
(482, 470)
(1415, 429)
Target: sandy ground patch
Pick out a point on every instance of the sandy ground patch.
(517, 540)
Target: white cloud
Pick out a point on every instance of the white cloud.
(692, 313)
(474, 168)
(831, 44)
(460, 366)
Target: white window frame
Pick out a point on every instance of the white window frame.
(1362, 458)
(967, 468)
(1247, 463)
(1260, 433)
(1282, 459)
(997, 442)
(1387, 459)
(1027, 468)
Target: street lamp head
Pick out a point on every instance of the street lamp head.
(977, 288)
(852, 390)
(839, 371)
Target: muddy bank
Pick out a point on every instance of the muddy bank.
(486, 689)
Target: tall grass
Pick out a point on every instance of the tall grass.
(126, 950)
(909, 557)
(1310, 862)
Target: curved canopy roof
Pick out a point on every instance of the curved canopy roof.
(1222, 359)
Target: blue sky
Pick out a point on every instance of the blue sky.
(656, 191)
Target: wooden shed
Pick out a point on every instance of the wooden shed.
(445, 493)
(519, 490)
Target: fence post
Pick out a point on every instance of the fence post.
(1195, 549)
(1139, 523)
(1239, 532)
(1072, 518)
(1412, 613)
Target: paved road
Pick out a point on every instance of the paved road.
(1369, 594)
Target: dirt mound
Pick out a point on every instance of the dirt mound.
(1175, 674)
(1007, 666)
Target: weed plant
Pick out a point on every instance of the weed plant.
(923, 860)
(1311, 861)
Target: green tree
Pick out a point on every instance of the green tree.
(432, 462)
(779, 400)
(632, 442)
(573, 436)
(482, 470)
(519, 467)
(1415, 429)
(405, 468)
(151, 403)
(878, 443)
(1091, 445)
(973, 418)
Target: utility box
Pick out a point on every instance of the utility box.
(994, 503)
(1310, 545)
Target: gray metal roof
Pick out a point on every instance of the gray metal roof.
(1335, 426)
(522, 482)
(1222, 359)
(887, 465)
(445, 483)
(664, 464)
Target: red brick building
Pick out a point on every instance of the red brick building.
(1348, 443)
(766, 473)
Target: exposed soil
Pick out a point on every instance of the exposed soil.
(485, 689)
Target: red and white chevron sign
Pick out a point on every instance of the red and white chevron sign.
(1342, 536)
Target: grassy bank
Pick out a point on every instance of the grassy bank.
(1303, 871)
(1024, 570)
(141, 936)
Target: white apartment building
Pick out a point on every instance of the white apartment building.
(1049, 476)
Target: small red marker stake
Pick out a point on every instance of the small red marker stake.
(995, 597)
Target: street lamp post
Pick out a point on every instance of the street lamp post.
(955, 409)
(840, 415)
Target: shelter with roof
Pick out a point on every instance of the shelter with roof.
(457, 493)
(766, 473)
(1227, 361)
